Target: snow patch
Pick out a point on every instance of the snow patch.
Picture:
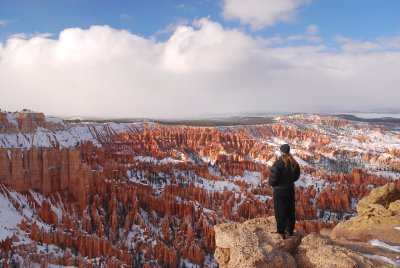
(68, 137)
(216, 185)
(383, 258)
(307, 180)
(189, 264)
(58, 266)
(9, 218)
(262, 198)
(208, 160)
(261, 161)
(11, 119)
(301, 161)
(387, 174)
(214, 170)
(149, 159)
(250, 177)
(54, 120)
(376, 242)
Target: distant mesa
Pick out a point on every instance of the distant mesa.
(373, 120)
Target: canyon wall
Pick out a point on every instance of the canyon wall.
(151, 194)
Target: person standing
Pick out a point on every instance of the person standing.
(284, 172)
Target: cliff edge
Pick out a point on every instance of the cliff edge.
(370, 239)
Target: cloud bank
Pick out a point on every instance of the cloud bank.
(201, 69)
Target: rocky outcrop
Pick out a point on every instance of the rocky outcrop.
(318, 251)
(254, 244)
(383, 195)
(378, 215)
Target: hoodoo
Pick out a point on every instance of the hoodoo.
(152, 195)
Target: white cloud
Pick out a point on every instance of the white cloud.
(309, 35)
(125, 16)
(379, 44)
(201, 69)
(29, 35)
(311, 30)
(262, 13)
(4, 22)
(207, 47)
(170, 28)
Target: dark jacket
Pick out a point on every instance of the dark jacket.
(281, 177)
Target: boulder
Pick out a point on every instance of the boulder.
(378, 215)
(383, 195)
(394, 207)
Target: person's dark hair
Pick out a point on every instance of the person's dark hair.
(288, 158)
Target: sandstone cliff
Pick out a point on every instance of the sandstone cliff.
(46, 170)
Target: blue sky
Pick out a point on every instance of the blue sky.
(159, 58)
(359, 19)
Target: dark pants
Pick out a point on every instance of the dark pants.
(284, 204)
